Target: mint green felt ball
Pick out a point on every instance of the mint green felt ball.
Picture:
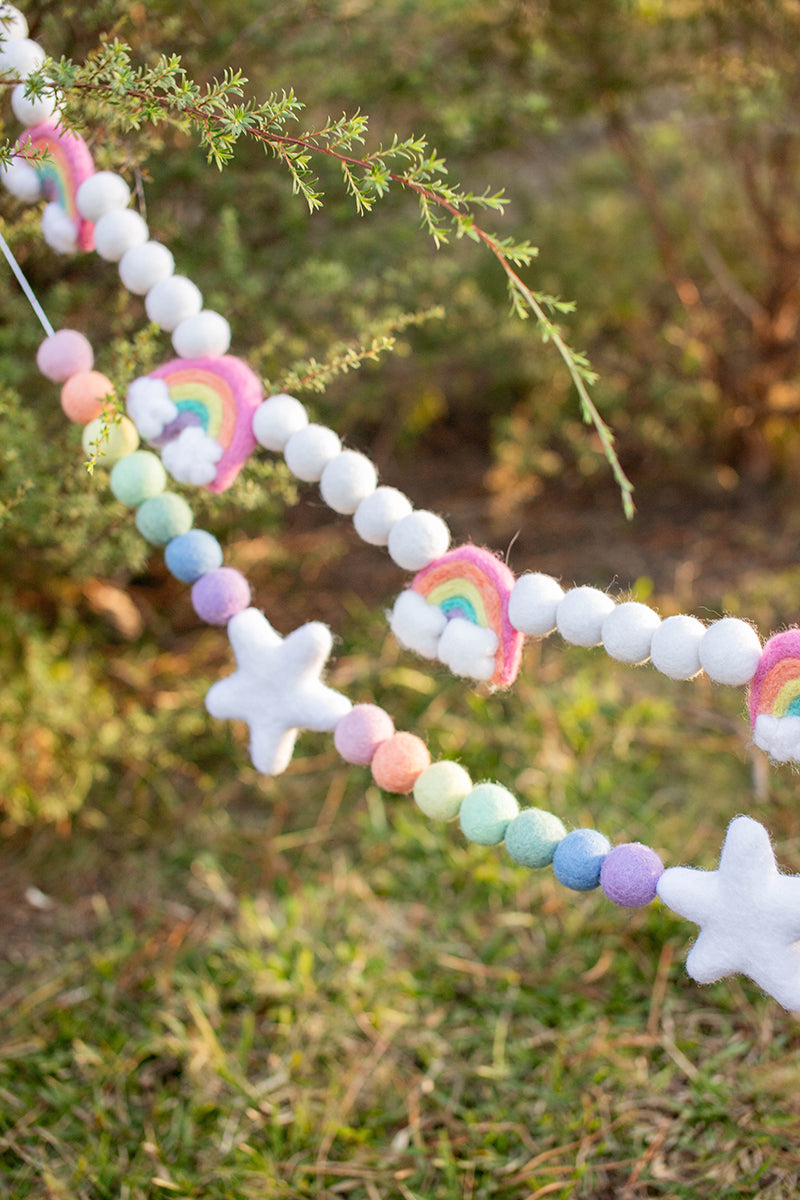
(161, 518)
(440, 790)
(137, 478)
(486, 812)
(532, 837)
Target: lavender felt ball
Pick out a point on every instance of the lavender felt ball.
(220, 595)
(630, 873)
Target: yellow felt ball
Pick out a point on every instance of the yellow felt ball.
(121, 439)
(439, 790)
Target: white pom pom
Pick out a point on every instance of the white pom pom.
(30, 110)
(675, 647)
(192, 456)
(375, 516)
(628, 631)
(468, 649)
(206, 335)
(276, 419)
(102, 193)
(21, 179)
(12, 23)
(58, 229)
(150, 407)
(580, 615)
(173, 300)
(309, 451)
(142, 267)
(20, 58)
(533, 603)
(729, 651)
(416, 624)
(418, 539)
(117, 231)
(347, 480)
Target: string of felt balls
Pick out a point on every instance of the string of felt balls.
(746, 909)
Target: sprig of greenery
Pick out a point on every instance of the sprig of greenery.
(311, 375)
(221, 116)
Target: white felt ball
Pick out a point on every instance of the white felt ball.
(20, 57)
(142, 267)
(118, 230)
(172, 300)
(628, 631)
(375, 516)
(12, 23)
(417, 540)
(207, 334)
(58, 229)
(22, 180)
(101, 193)
(580, 615)
(309, 451)
(347, 480)
(729, 651)
(276, 419)
(533, 603)
(30, 110)
(675, 648)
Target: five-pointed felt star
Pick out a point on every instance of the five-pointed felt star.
(748, 913)
(276, 688)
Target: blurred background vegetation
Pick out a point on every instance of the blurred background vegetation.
(650, 149)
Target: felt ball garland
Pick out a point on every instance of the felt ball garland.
(464, 607)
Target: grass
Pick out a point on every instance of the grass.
(233, 988)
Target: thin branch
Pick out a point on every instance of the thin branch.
(182, 102)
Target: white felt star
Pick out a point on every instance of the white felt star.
(748, 913)
(276, 688)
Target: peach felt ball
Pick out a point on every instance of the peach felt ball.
(83, 394)
(399, 761)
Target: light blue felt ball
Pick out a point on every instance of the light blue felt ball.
(486, 812)
(578, 859)
(137, 478)
(162, 518)
(192, 555)
(532, 837)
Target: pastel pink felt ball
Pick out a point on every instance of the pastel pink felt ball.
(64, 353)
(629, 874)
(361, 731)
(399, 761)
(220, 595)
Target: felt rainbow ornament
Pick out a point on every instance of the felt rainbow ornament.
(200, 412)
(775, 698)
(456, 610)
(68, 164)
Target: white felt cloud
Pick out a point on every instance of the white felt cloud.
(192, 456)
(416, 624)
(276, 687)
(150, 407)
(748, 913)
(468, 649)
(59, 230)
(779, 737)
